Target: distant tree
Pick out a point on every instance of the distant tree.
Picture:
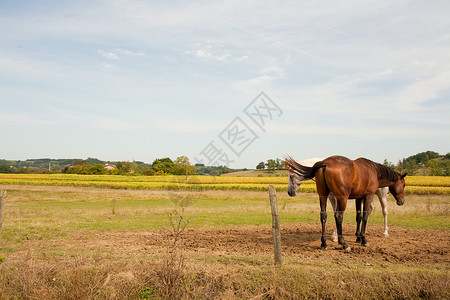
(212, 170)
(79, 162)
(180, 165)
(434, 168)
(271, 165)
(94, 161)
(87, 169)
(127, 167)
(274, 164)
(447, 167)
(388, 164)
(164, 165)
(149, 172)
(97, 169)
(279, 164)
(261, 166)
(409, 167)
(5, 168)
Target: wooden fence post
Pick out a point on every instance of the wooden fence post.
(275, 225)
(2, 209)
(114, 206)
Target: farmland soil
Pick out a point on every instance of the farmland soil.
(405, 245)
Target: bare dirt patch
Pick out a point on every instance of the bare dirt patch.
(405, 245)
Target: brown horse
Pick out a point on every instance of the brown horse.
(347, 179)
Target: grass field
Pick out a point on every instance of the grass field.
(94, 243)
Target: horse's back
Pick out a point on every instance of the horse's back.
(338, 165)
(336, 176)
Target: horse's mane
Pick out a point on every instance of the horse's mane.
(383, 171)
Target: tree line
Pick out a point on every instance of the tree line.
(427, 163)
(92, 166)
(424, 163)
(160, 166)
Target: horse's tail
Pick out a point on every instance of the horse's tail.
(303, 171)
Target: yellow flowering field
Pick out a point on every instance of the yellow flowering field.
(414, 184)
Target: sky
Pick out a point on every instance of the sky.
(224, 82)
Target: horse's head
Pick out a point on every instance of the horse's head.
(397, 189)
(294, 183)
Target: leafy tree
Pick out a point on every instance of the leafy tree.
(180, 165)
(97, 169)
(94, 161)
(164, 165)
(434, 169)
(5, 169)
(261, 166)
(87, 169)
(279, 164)
(388, 164)
(124, 167)
(274, 164)
(212, 170)
(271, 165)
(79, 162)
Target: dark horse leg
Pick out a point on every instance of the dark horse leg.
(367, 209)
(339, 217)
(358, 218)
(323, 219)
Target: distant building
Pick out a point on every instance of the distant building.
(110, 167)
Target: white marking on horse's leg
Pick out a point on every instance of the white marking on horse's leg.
(385, 214)
(382, 195)
(333, 200)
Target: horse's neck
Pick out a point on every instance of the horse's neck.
(383, 182)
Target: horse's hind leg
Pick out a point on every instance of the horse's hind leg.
(323, 219)
(358, 203)
(366, 213)
(339, 217)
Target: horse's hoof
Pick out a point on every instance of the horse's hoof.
(366, 244)
(323, 247)
(385, 235)
(347, 249)
(358, 239)
(335, 239)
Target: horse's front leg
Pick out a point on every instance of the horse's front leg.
(358, 203)
(339, 217)
(367, 209)
(323, 219)
(382, 195)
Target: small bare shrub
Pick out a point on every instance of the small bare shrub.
(171, 272)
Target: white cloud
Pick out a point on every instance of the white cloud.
(208, 51)
(127, 52)
(417, 93)
(108, 55)
(117, 53)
